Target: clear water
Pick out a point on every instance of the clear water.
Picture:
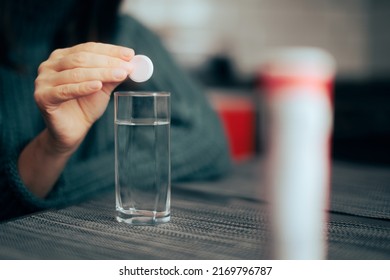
(142, 165)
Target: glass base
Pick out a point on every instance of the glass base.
(139, 217)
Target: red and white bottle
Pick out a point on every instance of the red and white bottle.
(297, 84)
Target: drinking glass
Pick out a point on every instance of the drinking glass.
(142, 157)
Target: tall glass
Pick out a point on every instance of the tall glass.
(142, 157)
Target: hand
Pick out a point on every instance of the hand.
(73, 89)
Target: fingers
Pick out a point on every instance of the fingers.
(76, 83)
(68, 92)
(81, 70)
(96, 48)
(89, 60)
(78, 75)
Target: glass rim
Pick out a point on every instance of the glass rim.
(142, 93)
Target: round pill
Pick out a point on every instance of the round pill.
(142, 68)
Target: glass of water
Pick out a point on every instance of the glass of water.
(142, 157)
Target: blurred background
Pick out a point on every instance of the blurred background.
(221, 44)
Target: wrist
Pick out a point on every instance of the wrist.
(54, 148)
(41, 162)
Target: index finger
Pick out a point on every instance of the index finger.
(98, 48)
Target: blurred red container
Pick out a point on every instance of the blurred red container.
(238, 116)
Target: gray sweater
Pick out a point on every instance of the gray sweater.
(198, 146)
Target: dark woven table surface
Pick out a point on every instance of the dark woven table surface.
(225, 219)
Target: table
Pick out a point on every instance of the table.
(224, 219)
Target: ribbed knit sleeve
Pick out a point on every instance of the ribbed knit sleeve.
(14, 195)
(78, 182)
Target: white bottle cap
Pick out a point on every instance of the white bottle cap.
(142, 68)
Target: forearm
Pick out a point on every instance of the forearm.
(80, 180)
(40, 164)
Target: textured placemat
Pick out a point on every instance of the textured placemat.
(361, 190)
(352, 237)
(355, 189)
(225, 219)
(202, 227)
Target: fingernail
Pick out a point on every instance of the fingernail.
(95, 85)
(128, 66)
(127, 52)
(119, 74)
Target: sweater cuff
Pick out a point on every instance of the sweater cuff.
(27, 200)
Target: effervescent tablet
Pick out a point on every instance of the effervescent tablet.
(142, 68)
